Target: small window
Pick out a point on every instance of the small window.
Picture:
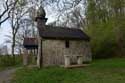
(67, 44)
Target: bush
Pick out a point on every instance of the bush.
(6, 61)
(103, 40)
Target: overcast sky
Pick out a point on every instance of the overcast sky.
(6, 30)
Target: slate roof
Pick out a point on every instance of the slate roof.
(63, 33)
(30, 43)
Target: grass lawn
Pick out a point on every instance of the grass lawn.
(100, 71)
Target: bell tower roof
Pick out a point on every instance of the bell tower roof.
(41, 12)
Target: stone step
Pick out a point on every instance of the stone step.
(76, 66)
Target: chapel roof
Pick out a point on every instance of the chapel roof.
(62, 33)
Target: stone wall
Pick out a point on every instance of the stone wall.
(53, 51)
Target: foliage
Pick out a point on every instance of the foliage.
(105, 22)
(100, 71)
(9, 61)
(103, 40)
(32, 59)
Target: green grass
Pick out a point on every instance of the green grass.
(100, 71)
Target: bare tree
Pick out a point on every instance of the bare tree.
(5, 11)
(17, 13)
(27, 29)
(75, 18)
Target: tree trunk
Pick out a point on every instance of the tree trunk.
(13, 45)
(13, 48)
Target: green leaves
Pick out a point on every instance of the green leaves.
(106, 21)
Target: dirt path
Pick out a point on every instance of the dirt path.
(6, 75)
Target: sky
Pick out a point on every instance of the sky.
(6, 30)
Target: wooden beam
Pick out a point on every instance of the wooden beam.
(25, 57)
(39, 56)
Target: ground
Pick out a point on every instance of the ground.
(6, 75)
(100, 71)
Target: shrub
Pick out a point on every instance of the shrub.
(6, 61)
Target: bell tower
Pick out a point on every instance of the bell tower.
(41, 18)
(41, 22)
